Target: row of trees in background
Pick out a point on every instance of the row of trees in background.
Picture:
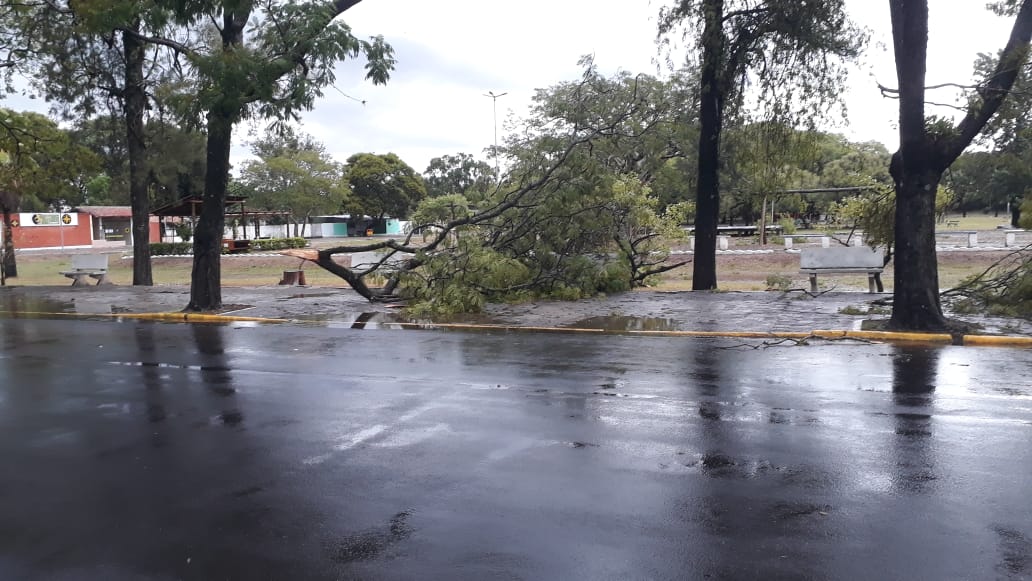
(209, 65)
(731, 132)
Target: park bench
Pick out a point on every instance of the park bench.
(843, 260)
(1010, 236)
(723, 242)
(236, 246)
(824, 239)
(88, 265)
(972, 235)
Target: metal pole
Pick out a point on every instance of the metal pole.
(494, 106)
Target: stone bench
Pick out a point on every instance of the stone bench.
(843, 260)
(824, 239)
(723, 242)
(972, 235)
(93, 266)
(1010, 236)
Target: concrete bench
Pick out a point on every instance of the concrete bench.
(723, 242)
(94, 266)
(972, 235)
(1010, 236)
(824, 239)
(843, 260)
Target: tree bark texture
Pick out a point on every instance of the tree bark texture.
(10, 265)
(135, 102)
(206, 278)
(924, 156)
(711, 114)
(916, 303)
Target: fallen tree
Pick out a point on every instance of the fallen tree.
(562, 224)
(1005, 288)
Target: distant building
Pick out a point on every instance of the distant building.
(85, 227)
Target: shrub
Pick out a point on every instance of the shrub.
(170, 248)
(779, 282)
(278, 243)
(787, 225)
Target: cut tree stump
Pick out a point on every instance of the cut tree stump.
(293, 278)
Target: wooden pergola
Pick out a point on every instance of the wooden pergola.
(235, 208)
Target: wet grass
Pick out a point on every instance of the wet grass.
(755, 274)
(39, 270)
(737, 274)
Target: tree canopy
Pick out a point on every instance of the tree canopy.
(294, 173)
(791, 53)
(382, 185)
(928, 146)
(458, 174)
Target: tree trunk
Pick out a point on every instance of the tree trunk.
(206, 278)
(10, 265)
(135, 103)
(915, 304)
(711, 114)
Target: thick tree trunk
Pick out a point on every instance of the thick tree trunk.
(206, 278)
(711, 114)
(135, 103)
(915, 304)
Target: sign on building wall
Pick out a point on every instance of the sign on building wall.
(28, 219)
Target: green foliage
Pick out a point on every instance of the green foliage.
(184, 230)
(294, 173)
(1004, 289)
(171, 248)
(874, 213)
(458, 174)
(788, 225)
(278, 243)
(779, 282)
(1026, 213)
(382, 185)
(440, 210)
(45, 168)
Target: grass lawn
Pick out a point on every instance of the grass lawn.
(734, 272)
(35, 270)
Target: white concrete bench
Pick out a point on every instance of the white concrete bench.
(723, 242)
(1010, 236)
(972, 235)
(94, 266)
(843, 260)
(824, 239)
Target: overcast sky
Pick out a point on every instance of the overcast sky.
(452, 52)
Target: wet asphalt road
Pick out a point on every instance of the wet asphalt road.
(154, 451)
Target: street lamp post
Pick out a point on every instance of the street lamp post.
(494, 106)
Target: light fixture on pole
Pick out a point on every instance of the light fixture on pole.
(494, 106)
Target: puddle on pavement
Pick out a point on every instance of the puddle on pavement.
(26, 305)
(352, 320)
(308, 296)
(625, 323)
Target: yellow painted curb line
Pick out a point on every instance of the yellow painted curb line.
(881, 336)
(893, 336)
(997, 341)
(174, 317)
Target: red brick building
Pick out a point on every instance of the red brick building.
(76, 229)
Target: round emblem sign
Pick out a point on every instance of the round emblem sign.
(36, 219)
(14, 223)
(66, 218)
